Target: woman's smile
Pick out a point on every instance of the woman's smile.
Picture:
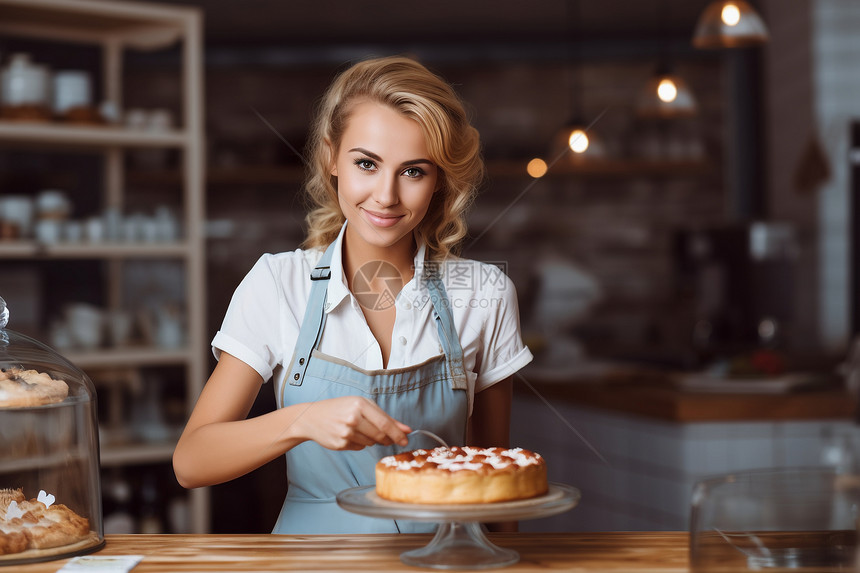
(381, 219)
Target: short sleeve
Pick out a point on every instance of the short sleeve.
(502, 351)
(250, 330)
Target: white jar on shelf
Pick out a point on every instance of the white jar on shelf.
(16, 211)
(72, 94)
(25, 89)
(71, 89)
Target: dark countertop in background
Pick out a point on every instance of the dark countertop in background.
(655, 395)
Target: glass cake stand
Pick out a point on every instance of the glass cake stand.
(460, 542)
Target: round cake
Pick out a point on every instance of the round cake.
(22, 388)
(461, 475)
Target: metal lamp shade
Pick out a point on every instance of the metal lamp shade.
(713, 32)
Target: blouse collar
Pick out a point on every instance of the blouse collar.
(338, 287)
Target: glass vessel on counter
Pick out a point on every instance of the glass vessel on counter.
(50, 492)
(775, 519)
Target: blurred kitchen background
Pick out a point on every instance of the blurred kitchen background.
(688, 283)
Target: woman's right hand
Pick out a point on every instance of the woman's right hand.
(221, 443)
(349, 423)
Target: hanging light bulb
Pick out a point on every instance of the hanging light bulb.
(730, 14)
(578, 140)
(729, 24)
(666, 94)
(667, 90)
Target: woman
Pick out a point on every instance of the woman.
(374, 328)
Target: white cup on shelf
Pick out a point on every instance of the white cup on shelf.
(94, 230)
(49, 231)
(168, 328)
(18, 209)
(73, 231)
(149, 230)
(159, 119)
(134, 228)
(136, 118)
(119, 327)
(72, 89)
(86, 325)
(59, 335)
(113, 220)
(167, 224)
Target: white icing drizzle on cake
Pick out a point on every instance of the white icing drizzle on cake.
(464, 459)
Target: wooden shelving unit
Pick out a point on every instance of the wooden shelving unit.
(116, 27)
(36, 250)
(116, 456)
(75, 136)
(133, 357)
(240, 175)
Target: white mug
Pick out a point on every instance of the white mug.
(18, 209)
(71, 90)
(86, 324)
(73, 231)
(49, 231)
(95, 230)
(119, 327)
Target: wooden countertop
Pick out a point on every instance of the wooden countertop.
(654, 552)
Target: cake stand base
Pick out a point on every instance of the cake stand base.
(460, 542)
(460, 546)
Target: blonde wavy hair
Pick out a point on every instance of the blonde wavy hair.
(452, 143)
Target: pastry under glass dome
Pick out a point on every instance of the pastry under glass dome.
(50, 492)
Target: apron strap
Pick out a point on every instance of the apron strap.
(447, 331)
(313, 321)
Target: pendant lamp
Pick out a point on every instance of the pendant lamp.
(579, 140)
(729, 24)
(575, 136)
(666, 95)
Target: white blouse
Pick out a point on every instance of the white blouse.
(262, 323)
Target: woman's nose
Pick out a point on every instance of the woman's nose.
(387, 192)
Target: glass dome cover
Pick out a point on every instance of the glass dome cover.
(50, 491)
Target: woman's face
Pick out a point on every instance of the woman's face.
(385, 179)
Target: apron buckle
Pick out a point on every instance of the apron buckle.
(321, 274)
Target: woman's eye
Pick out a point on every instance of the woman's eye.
(413, 172)
(365, 164)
